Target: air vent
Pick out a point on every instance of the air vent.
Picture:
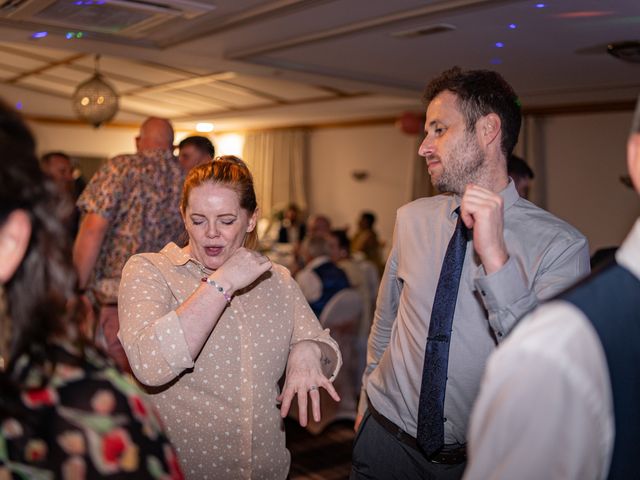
(120, 17)
(423, 31)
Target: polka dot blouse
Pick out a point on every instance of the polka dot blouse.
(220, 408)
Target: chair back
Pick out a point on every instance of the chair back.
(342, 310)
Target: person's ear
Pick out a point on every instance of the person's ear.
(14, 240)
(253, 220)
(633, 159)
(488, 128)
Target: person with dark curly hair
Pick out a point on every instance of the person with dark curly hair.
(463, 268)
(65, 410)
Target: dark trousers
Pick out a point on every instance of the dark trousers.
(379, 455)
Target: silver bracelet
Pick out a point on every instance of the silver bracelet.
(218, 287)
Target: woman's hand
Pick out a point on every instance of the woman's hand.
(241, 269)
(304, 378)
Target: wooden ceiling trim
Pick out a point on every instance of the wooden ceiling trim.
(65, 61)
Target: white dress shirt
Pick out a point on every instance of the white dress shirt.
(545, 407)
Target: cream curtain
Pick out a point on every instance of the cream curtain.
(531, 147)
(277, 159)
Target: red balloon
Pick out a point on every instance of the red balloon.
(410, 123)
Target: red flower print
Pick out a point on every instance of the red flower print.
(35, 450)
(138, 406)
(113, 445)
(41, 397)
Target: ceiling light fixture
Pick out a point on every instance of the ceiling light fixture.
(95, 101)
(204, 127)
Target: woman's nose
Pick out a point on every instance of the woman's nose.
(212, 231)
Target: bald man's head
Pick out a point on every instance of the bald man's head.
(155, 133)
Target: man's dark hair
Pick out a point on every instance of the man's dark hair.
(46, 158)
(201, 143)
(517, 167)
(481, 92)
(369, 217)
(343, 239)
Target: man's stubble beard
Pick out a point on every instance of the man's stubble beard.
(464, 165)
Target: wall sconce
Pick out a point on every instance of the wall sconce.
(360, 175)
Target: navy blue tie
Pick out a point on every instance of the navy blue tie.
(436, 359)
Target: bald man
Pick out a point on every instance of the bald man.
(129, 206)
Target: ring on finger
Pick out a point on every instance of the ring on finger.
(313, 387)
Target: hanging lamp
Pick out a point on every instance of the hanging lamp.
(95, 100)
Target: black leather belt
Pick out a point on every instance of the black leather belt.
(448, 455)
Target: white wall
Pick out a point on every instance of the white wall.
(383, 151)
(84, 141)
(585, 157)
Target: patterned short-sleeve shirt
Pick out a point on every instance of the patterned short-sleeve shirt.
(139, 195)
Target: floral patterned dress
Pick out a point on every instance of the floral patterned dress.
(87, 421)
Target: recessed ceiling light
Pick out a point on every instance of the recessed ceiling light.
(540, 5)
(39, 34)
(204, 127)
(499, 45)
(513, 26)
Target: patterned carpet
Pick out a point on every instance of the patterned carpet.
(323, 457)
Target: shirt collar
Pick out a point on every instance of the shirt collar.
(628, 255)
(182, 256)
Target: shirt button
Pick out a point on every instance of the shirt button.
(484, 294)
(499, 334)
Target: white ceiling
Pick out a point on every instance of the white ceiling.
(251, 63)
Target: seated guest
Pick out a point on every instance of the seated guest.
(365, 241)
(65, 410)
(292, 229)
(213, 326)
(320, 279)
(58, 167)
(362, 276)
(195, 150)
(559, 398)
(318, 225)
(521, 174)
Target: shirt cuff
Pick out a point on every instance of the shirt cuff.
(502, 288)
(173, 345)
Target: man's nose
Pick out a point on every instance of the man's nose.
(426, 148)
